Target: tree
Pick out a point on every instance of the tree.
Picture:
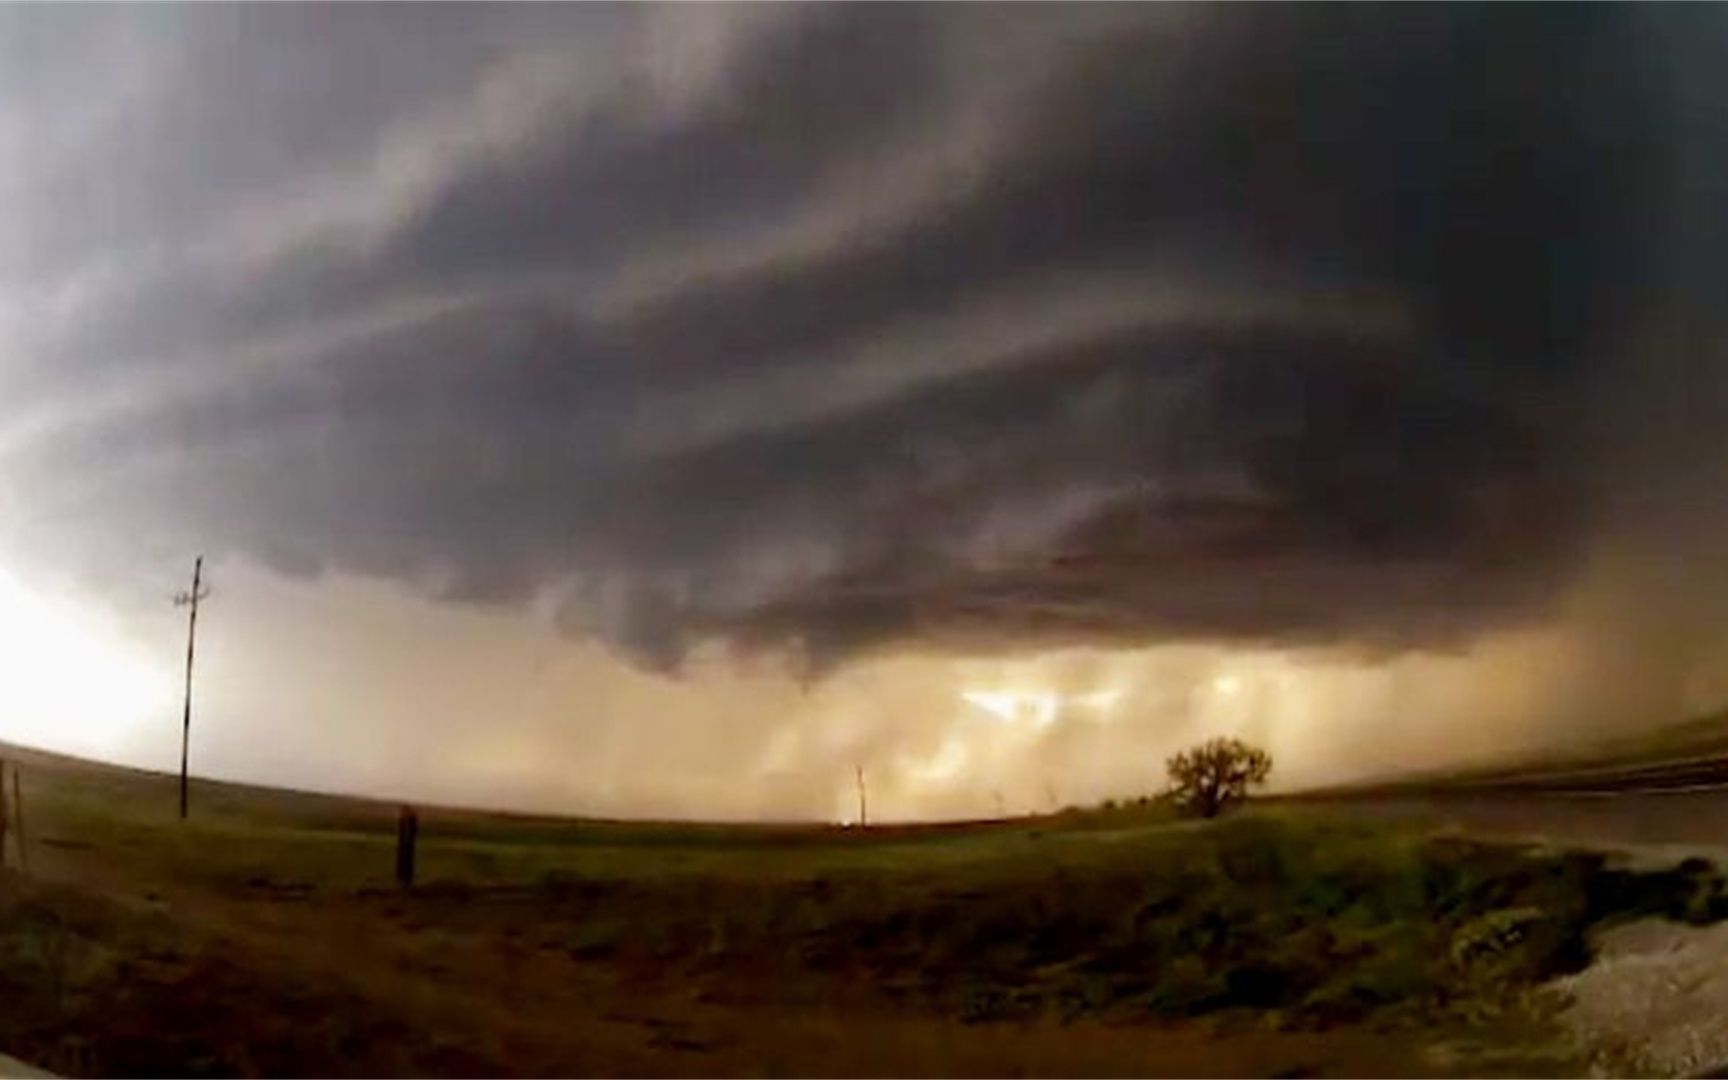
(1205, 778)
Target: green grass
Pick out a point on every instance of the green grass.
(236, 833)
(1316, 921)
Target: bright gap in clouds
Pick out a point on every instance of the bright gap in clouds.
(68, 682)
(1037, 707)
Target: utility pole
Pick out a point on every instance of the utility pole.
(863, 804)
(189, 600)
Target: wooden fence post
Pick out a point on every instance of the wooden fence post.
(407, 832)
(3, 821)
(18, 818)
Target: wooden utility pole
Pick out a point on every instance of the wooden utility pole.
(189, 600)
(863, 801)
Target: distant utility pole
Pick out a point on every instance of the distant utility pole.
(189, 600)
(863, 803)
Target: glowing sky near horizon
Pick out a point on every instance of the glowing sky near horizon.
(71, 683)
(373, 689)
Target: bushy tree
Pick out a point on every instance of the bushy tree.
(1205, 778)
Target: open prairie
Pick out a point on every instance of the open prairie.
(266, 935)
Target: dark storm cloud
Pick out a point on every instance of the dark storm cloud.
(831, 327)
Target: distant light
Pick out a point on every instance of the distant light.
(1039, 708)
(1102, 700)
(998, 704)
(1227, 684)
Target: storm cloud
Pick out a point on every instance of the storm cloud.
(836, 328)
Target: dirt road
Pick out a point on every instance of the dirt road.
(1669, 807)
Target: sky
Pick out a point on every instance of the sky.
(667, 410)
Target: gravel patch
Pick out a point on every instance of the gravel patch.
(1654, 1003)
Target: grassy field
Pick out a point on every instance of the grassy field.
(265, 937)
